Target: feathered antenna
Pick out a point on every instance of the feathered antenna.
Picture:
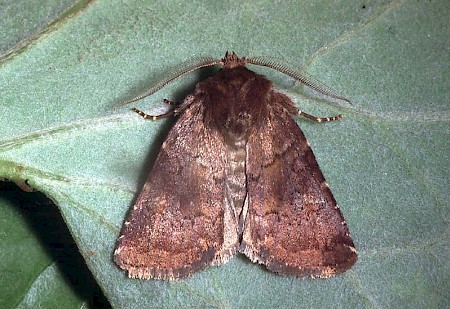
(301, 76)
(231, 60)
(175, 73)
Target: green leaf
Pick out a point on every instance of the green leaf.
(40, 264)
(386, 161)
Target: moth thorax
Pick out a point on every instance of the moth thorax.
(236, 128)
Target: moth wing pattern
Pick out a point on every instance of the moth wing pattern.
(293, 225)
(181, 222)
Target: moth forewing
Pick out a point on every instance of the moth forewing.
(235, 173)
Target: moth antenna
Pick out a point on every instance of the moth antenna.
(175, 73)
(302, 76)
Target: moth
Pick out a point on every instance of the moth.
(235, 174)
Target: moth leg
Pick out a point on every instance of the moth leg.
(318, 119)
(180, 107)
(171, 103)
(295, 111)
(154, 117)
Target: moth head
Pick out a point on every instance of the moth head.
(231, 60)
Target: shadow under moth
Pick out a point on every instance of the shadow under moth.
(235, 174)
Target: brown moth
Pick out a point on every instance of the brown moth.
(235, 174)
